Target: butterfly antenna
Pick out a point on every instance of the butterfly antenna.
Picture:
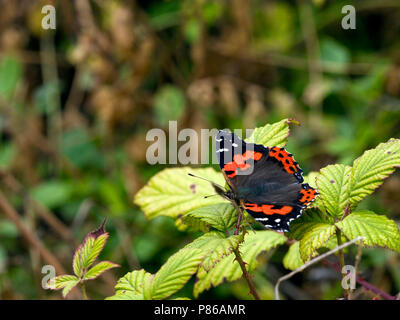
(192, 175)
(211, 195)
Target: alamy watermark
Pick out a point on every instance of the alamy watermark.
(49, 20)
(349, 20)
(349, 277)
(48, 280)
(184, 147)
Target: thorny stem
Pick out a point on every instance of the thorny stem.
(238, 223)
(239, 259)
(246, 275)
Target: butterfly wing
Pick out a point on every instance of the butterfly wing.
(267, 181)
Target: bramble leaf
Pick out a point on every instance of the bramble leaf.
(377, 230)
(173, 275)
(221, 216)
(334, 187)
(172, 192)
(89, 250)
(130, 286)
(312, 230)
(292, 259)
(215, 245)
(272, 134)
(372, 168)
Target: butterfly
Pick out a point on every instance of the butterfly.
(266, 181)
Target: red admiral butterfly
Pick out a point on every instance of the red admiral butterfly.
(266, 181)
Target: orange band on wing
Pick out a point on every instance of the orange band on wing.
(268, 209)
(239, 162)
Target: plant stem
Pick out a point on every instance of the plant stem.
(83, 288)
(246, 275)
(341, 257)
(238, 223)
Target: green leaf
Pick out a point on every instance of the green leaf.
(372, 168)
(89, 250)
(312, 230)
(331, 50)
(10, 74)
(333, 185)
(66, 282)
(52, 193)
(98, 269)
(272, 134)
(215, 245)
(221, 216)
(228, 269)
(292, 259)
(377, 230)
(79, 147)
(172, 192)
(169, 104)
(130, 286)
(173, 275)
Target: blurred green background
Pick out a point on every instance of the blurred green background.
(76, 104)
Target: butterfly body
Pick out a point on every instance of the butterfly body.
(266, 181)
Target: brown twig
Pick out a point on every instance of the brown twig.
(50, 218)
(239, 259)
(30, 237)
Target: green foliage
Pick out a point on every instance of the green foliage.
(216, 245)
(172, 192)
(372, 168)
(10, 73)
(171, 277)
(84, 257)
(377, 230)
(341, 188)
(312, 230)
(75, 111)
(333, 185)
(131, 286)
(221, 216)
(272, 134)
(175, 273)
(292, 259)
(228, 270)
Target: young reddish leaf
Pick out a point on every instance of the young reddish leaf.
(89, 250)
